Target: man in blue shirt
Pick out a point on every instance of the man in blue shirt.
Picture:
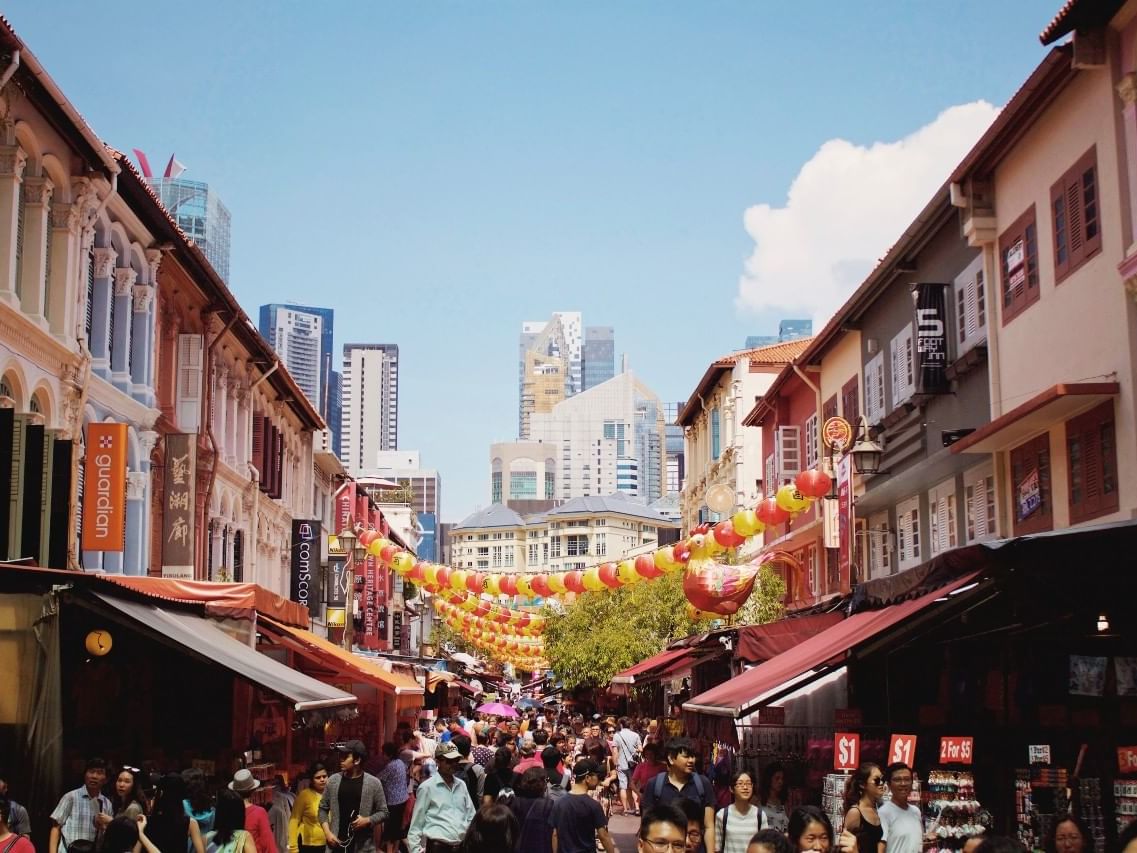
(680, 781)
(443, 808)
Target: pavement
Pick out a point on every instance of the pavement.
(624, 831)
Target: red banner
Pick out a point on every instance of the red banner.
(345, 506)
(956, 750)
(1127, 759)
(846, 751)
(104, 488)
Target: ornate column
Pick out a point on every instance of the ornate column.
(102, 302)
(33, 258)
(153, 260)
(65, 278)
(12, 163)
(241, 425)
(136, 523)
(143, 340)
(124, 279)
(220, 399)
(232, 413)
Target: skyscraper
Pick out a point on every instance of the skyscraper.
(196, 208)
(598, 357)
(546, 347)
(302, 336)
(675, 465)
(370, 404)
(788, 330)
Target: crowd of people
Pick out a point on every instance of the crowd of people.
(541, 784)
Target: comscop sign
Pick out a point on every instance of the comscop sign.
(306, 548)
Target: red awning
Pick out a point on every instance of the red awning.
(733, 698)
(759, 643)
(235, 600)
(628, 676)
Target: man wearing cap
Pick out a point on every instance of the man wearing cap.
(577, 819)
(443, 808)
(353, 803)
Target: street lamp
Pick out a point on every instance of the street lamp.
(866, 452)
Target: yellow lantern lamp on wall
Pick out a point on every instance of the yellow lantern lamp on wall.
(99, 643)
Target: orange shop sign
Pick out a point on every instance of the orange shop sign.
(104, 488)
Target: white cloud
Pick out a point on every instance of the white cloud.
(845, 208)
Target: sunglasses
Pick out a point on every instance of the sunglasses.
(877, 780)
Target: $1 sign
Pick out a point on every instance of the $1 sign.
(846, 751)
(902, 749)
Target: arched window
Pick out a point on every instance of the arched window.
(6, 388)
(34, 406)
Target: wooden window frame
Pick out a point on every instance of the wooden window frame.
(1091, 440)
(1024, 228)
(1075, 214)
(1041, 519)
(850, 393)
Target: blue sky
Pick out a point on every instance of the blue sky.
(440, 172)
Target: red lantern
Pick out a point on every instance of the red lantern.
(387, 554)
(702, 528)
(609, 574)
(681, 551)
(724, 534)
(482, 609)
(366, 537)
(574, 582)
(508, 585)
(646, 568)
(416, 572)
(770, 513)
(522, 619)
(474, 582)
(813, 483)
(540, 585)
(443, 576)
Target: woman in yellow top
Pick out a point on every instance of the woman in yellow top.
(305, 834)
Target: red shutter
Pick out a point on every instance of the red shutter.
(850, 402)
(1061, 233)
(258, 447)
(1086, 179)
(1019, 279)
(1092, 459)
(829, 409)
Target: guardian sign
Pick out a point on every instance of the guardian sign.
(104, 488)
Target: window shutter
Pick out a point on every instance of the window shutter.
(278, 462)
(258, 448)
(874, 389)
(189, 382)
(944, 531)
(21, 216)
(811, 446)
(903, 367)
(789, 452)
(90, 296)
(770, 483)
(1060, 212)
(1090, 210)
(850, 401)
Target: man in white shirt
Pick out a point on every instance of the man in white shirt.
(901, 821)
(628, 753)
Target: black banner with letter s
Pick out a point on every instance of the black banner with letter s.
(931, 338)
(305, 587)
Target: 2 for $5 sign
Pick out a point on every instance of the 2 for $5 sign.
(956, 750)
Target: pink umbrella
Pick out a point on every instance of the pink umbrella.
(498, 709)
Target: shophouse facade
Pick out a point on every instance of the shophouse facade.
(1046, 197)
(717, 449)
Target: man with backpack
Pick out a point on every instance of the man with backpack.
(628, 754)
(474, 775)
(680, 781)
(560, 779)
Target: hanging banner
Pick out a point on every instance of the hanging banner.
(104, 488)
(845, 519)
(179, 530)
(305, 587)
(345, 507)
(931, 338)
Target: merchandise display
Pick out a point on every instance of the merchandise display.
(1090, 810)
(833, 798)
(1124, 802)
(951, 810)
(1040, 795)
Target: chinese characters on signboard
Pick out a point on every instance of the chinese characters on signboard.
(104, 489)
(178, 506)
(340, 585)
(931, 339)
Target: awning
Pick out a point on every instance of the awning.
(407, 691)
(238, 600)
(200, 637)
(628, 676)
(1054, 405)
(742, 693)
(759, 643)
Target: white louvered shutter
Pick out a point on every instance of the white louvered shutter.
(874, 389)
(811, 442)
(903, 366)
(770, 483)
(788, 452)
(189, 382)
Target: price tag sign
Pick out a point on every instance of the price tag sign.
(1127, 759)
(956, 750)
(846, 751)
(902, 749)
(1039, 753)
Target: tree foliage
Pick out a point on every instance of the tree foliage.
(606, 632)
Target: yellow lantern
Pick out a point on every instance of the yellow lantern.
(790, 499)
(493, 584)
(403, 563)
(458, 580)
(592, 580)
(746, 523)
(557, 583)
(523, 588)
(626, 571)
(430, 575)
(98, 643)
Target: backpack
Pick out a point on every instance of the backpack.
(661, 780)
(469, 775)
(558, 787)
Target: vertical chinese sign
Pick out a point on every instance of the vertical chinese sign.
(178, 506)
(381, 592)
(104, 497)
(931, 339)
(369, 636)
(340, 588)
(305, 588)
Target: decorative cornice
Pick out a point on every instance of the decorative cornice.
(124, 279)
(148, 438)
(38, 190)
(65, 217)
(12, 161)
(154, 260)
(136, 485)
(1127, 88)
(105, 259)
(143, 296)
(23, 336)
